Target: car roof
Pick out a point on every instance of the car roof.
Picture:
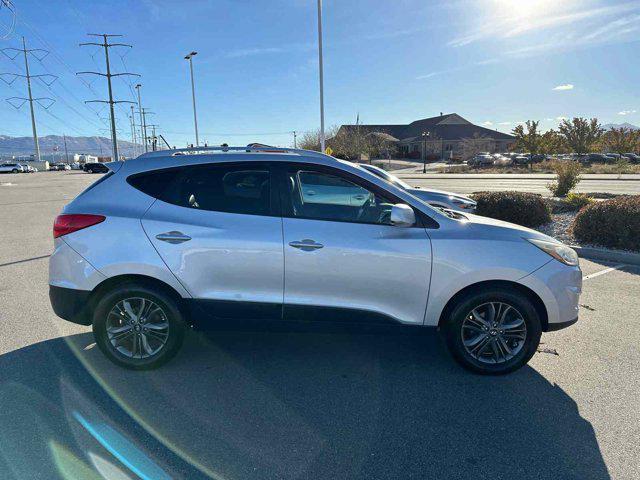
(195, 156)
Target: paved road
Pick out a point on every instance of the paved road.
(307, 405)
(535, 183)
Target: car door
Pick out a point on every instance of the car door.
(218, 228)
(347, 257)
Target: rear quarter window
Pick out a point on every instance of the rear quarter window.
(154, 184)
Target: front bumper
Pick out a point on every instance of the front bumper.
(70, 304)
(559, 287)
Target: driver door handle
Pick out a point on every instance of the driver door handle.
(359, 197)
(306, 245)
(173, 237)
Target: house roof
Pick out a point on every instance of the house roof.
(447, 127)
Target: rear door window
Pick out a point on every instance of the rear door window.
(239, 188)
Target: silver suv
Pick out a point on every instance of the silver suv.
(183, 238)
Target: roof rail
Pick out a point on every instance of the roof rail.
(247, 149)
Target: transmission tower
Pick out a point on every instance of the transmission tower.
(106, 45)
(9, 78)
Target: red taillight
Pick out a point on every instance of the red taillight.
(65, 224)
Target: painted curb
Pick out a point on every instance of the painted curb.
(607, 255)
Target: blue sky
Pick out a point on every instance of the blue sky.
(495, 62)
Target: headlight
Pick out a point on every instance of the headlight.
(560, 252)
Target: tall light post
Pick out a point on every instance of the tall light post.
(320, 69)
(425, 135)
(193, 94)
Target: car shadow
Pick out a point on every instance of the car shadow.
(295, 405)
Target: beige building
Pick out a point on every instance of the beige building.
(442, 136)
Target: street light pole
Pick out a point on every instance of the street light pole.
(320, 69)
(425, 135)
(193, 94)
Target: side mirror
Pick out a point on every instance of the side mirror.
(402, 215)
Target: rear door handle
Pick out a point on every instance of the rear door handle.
(306, 245)
(173, 237)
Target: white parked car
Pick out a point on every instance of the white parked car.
(178, 238)
(11, 168)
(435, 198)
(480, 160)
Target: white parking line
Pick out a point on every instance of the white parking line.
(602, 272)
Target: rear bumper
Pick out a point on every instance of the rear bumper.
(70, 304)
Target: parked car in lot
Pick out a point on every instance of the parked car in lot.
(167, 241)
(539, 157)
(594, 158)
(29, 169)
(500, 159)
(480, 160)
(95, 168)
(60, 166)
(11, 168)
(521, 160)
(435, 198)
(633, 157)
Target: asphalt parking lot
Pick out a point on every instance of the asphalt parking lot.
(308, 404)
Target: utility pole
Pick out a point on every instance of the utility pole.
(193, 94)
(12, 76)
(154, 139)
(320, 70)
(106, 45)
(133, 131)
(143, 115)
(143, 128)
(66, 152)
(295, 142)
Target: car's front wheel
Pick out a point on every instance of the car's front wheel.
(493, 332)
(138, 327)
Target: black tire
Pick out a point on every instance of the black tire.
(15, 170)
(453, 330)
(170, 309)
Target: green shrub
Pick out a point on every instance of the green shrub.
(611, 223)
(575, 201)
(567, 177)
(527, 209)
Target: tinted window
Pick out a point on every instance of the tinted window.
(219, 188)
(323, 196)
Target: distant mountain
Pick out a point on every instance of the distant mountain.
(99, 146)
(620, 125)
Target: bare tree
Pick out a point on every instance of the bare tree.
(474, 145)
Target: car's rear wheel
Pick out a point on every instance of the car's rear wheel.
(493, 332)
(138, 327)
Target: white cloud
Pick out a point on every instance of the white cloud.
(561, 118)
(504, 123)
(487, 123)
(626, 112)
(565, 86)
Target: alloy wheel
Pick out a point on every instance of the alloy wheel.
(137, 327)
(494, 332)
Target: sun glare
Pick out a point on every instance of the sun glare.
(527, 8)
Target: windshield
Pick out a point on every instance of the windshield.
(386, 176)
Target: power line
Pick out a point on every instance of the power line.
(106, 45)
(34, 52)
